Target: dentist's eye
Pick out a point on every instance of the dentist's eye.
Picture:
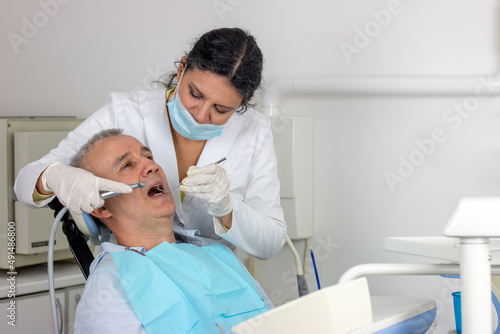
(220, 111)
(198, 97)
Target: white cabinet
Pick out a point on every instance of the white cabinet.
(74, 295)
(33, 312)
(32, 302)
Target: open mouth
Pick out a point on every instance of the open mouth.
(155, 190)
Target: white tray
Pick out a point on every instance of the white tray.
(444, 248)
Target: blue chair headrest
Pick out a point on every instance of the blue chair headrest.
(92, 227)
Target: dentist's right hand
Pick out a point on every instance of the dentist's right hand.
(78, 189)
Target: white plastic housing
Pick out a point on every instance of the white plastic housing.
(294, 146)
(337, 309)
(475, 217)
(23, 140)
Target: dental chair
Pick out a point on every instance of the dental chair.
(79, 229)
(342, 308)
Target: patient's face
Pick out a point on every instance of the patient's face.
(124, 159)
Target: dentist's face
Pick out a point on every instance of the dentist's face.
(209, 97)
(124, 159)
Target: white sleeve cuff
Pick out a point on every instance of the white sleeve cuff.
(220, 229)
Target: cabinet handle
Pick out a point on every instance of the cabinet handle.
(60, 315)
(77, 298)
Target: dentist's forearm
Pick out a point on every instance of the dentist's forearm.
(227, 220)
(39, 186)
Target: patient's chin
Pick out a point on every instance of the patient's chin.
(170, 206)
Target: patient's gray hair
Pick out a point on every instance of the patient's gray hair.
(78, 158)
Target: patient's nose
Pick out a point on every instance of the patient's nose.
(150, 167)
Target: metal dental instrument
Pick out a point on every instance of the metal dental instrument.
(180, 183)
(219, 161)
(169, 190)
(108, 194)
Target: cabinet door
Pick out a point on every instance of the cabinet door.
(74, 295)
(32, 314)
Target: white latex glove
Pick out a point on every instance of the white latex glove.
(78, 189)
(211, 184)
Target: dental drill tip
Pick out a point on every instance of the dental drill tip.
(137, 185)
(109, 194)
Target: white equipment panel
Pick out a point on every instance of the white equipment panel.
(294, 146)
(23, 140)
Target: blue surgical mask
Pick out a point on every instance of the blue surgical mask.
(185, 124)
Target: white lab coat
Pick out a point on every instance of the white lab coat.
(247, 143)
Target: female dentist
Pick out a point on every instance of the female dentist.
(205, 117)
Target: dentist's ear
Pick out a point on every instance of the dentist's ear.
(101, 212)
(181, 68)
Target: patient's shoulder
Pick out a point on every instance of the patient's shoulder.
(103, 262)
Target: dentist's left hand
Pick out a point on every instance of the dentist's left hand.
(211, 184)
(78, 189)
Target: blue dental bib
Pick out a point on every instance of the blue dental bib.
(183, 288)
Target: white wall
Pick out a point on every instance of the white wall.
(63, 57)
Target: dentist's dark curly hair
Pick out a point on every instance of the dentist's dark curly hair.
(229, 52)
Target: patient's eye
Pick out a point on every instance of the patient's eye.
(126, 165)
(149, 157)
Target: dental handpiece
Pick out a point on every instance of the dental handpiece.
(180, 183)
(108, 194)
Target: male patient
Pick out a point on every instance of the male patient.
(148, 283)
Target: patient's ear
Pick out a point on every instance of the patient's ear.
(101, 212)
